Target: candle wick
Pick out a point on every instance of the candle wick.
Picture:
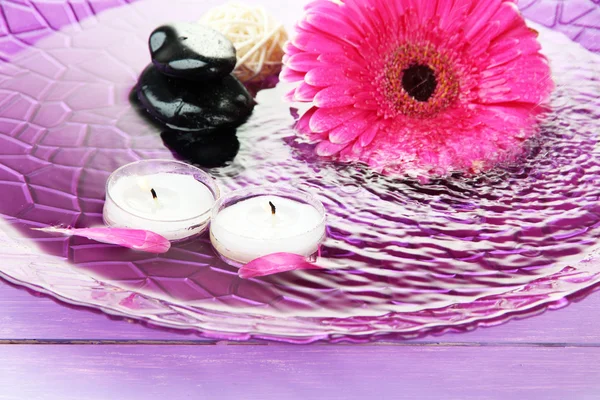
(154, 196)
(273, 209)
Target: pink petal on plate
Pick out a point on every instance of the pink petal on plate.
(135, 239)
(274, 264)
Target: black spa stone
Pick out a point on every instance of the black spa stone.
(191, 51)
(201, 107)
(209, 151)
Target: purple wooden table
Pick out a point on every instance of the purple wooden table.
(53, 352)
(50, 351)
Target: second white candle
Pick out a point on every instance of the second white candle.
(261, 225)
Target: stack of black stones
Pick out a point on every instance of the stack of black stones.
(190, 92)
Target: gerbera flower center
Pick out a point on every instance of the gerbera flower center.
(419, 82)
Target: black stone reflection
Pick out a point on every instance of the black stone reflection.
(208, 151)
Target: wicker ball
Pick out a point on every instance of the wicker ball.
(257, 36)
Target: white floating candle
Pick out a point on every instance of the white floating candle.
(254, 222)
(167, 197)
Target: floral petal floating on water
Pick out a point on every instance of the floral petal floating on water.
(135, 239)
(419, 87)
(274, 264)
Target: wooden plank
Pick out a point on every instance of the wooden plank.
(297, 372)
(26, 317)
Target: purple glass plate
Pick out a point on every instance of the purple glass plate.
(411, 258)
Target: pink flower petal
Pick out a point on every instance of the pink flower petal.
(289, 96)
(289, 75)
(303, 62)
(317, 137)
(329, 14)
(365, 101)
(479, 17)
(274, 264)
(508, 48)
(338, 59)
(334, 96)
(518, 37)
(531, 83)
(135, 239)
(290, 49)
(507, 16)
(371, 21)
(314, 4)
(325, 119)
(480, 44)
(349, 131)
(367, 136)
(326, 76)
(350, 153)
(305, 92)
(302, 124)
(315, 43)
(504, 57)
(334, 24)
(328, 149)
(427, 9)
(454, 15)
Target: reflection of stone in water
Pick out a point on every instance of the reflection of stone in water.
(210, 151)
(205, 150)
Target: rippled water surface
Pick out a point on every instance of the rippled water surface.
(404, 255)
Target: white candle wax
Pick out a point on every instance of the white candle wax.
(249, 229)
(171, 204)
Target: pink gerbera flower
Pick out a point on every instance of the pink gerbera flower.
(426, 86)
